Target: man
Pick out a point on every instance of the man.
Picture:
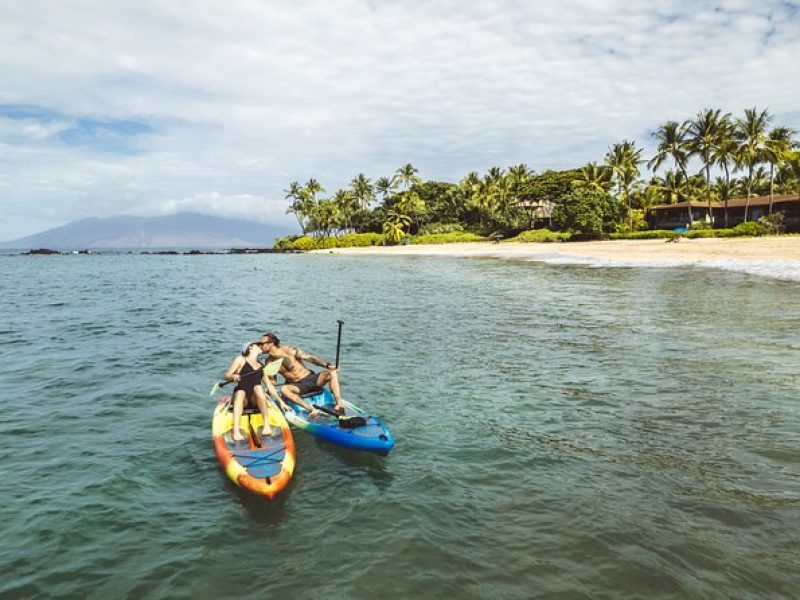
(299, 379)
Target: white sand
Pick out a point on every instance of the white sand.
(772, 256)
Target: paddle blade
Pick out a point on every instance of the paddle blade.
(351, 422)
(214, 389)
(271, 368)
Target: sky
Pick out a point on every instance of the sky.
(150, 108)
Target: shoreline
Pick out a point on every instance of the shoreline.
(776, 257)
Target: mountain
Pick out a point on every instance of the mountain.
(181, 230)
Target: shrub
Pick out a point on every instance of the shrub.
(326, 243)
(432, 228)
(653, 234)
(359, 240)
(447, 238)
(774, 222)
(700, 226)
(705, 232)
(751, 228)
(634, 222)
(540, 236)
(302, 243)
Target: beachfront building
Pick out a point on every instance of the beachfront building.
(672, 216)
(537, 210)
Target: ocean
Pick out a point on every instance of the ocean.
(563, 430)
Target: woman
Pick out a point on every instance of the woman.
(247, 372)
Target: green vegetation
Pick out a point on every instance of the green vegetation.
(749, 229)
(596, 201)
(447, 238)
(539, 236)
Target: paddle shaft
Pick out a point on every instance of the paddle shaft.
(339, 341)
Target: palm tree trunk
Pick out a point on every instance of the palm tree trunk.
(708, 192)
(749, 190)
(688, 200)
(727, 191)
(771, 185)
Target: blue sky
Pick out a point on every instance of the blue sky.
(150, 108)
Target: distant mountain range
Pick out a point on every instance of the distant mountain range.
(181, 230)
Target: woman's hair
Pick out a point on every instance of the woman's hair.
(246, 348)
(272, 338)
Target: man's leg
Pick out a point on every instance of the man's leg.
(238, 405)
(292, 392)
(261, 400)
(331, 377)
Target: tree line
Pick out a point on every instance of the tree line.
(712, 157)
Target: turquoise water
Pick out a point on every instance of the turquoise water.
(563, 431)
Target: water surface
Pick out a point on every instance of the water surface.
(562, 430)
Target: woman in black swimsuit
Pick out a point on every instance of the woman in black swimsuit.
(247, 372)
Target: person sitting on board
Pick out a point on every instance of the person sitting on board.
(247, 371)
(299, 378)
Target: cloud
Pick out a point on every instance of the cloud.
(131, 106)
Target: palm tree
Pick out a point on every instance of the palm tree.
(295, 192)
(407, 175)
(412, 205)
(313, 187)
(751, 133)
(777, 150)
(385, 187)
(470, 182)
(793, 168)
(703, 133)
(505, 200)
(362, 190)
(672, 187)
(596, 177)
(394, 227)
(346, 204)
(624, 159)
(671, 137)
(326, 216)
(724, 154)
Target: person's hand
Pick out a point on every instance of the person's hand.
(285, 407)
(313, 412)
(331, 367)
(236, 378)
(340, 409)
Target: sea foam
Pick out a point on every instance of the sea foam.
(785, 270)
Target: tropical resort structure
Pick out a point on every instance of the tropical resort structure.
(739, 210)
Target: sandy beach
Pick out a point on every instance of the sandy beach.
(771, 256)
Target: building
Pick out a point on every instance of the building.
(671, 216)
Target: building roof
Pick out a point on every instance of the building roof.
(733, 202)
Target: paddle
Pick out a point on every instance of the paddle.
(338, 341)
(344, 421)
(270, 370)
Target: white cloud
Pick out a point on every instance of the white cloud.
(245, 97)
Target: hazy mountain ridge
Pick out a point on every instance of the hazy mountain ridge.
(181, 230)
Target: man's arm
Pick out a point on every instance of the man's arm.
(305, 356)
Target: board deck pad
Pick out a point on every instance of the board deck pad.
(262, 462)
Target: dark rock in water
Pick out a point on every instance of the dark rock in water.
(42, 251)
(255, 251)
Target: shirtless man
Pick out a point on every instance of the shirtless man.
(299, 379)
